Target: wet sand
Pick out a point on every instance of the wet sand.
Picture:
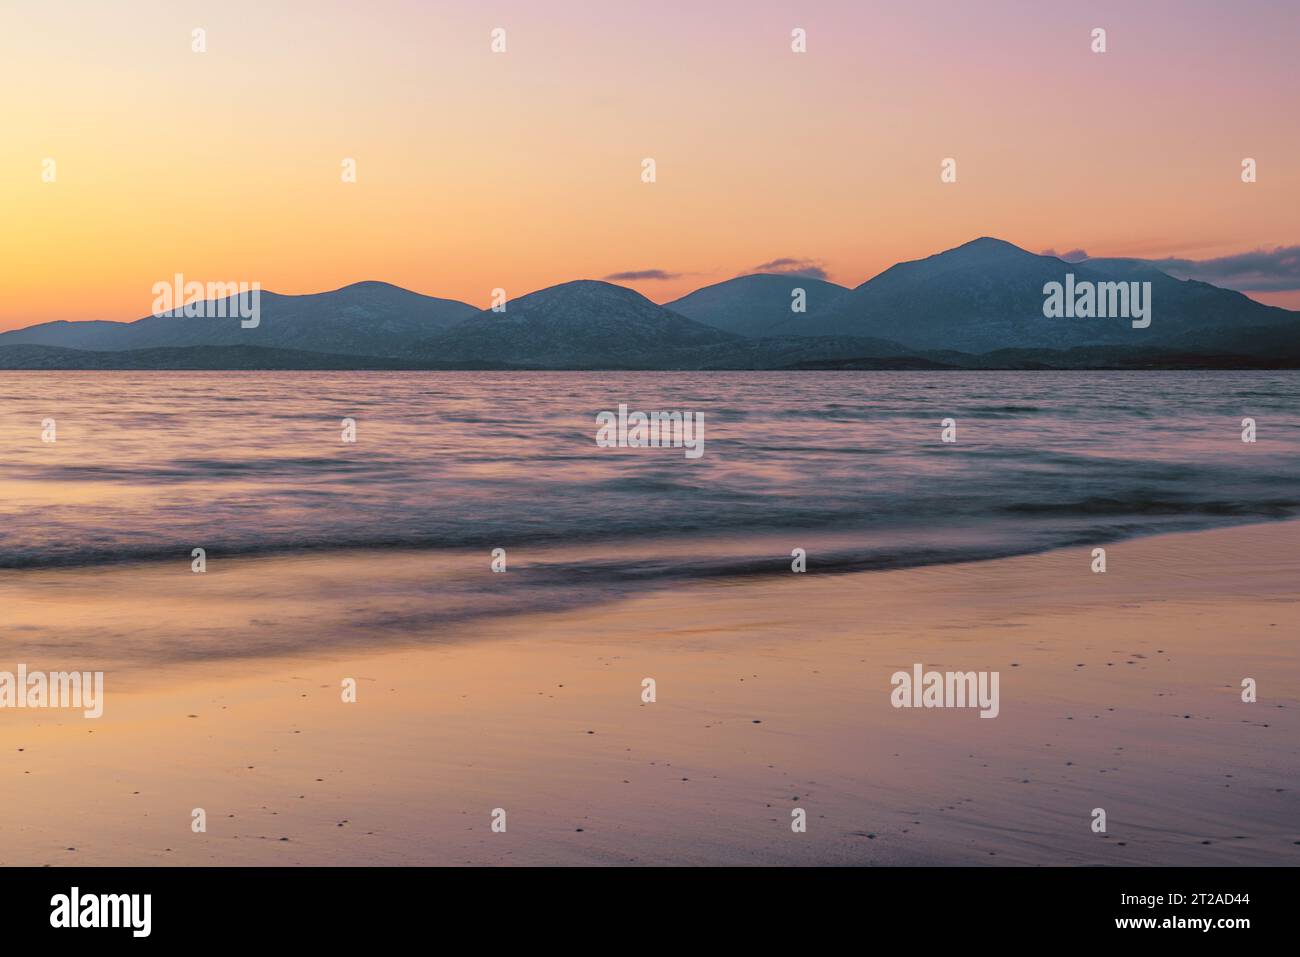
(1120, 691)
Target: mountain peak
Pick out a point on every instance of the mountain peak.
(988, 294)
(586, 323)
(591, 285)
(988, 242)
(757, 303)
(371, 285)
(986, 247)
(585, 291)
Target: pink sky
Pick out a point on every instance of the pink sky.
(522, 169)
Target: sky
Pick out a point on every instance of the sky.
(478, 170)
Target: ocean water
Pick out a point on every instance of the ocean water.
(848, 466)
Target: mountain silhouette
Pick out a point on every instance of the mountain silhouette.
(988, 294)
(979, 305)
(578, 325)
(363, 319)
(756, 305)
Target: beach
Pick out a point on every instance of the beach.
(1120, 691)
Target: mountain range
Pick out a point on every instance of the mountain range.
(367, 318)
(979, 305)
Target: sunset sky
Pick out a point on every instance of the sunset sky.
(520, 170)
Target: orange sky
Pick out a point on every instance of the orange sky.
(520, 170)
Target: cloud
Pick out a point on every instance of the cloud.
(634, 274)
(788, 266)
(1073, 256)
(1264, 270)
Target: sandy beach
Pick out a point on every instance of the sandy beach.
(1119, 691)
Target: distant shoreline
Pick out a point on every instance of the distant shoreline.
(986, 304)
(29, 358)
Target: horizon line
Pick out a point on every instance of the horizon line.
(793, 274)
